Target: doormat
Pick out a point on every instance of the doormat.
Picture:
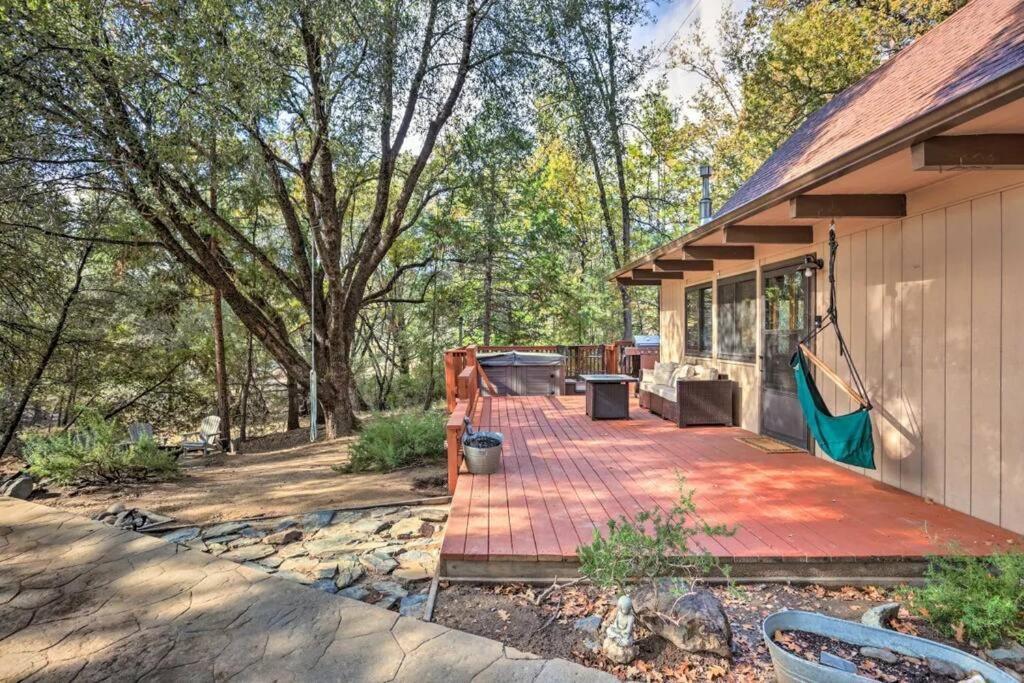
(766, 444)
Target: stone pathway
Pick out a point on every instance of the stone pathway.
(82, 600)
(384, 555)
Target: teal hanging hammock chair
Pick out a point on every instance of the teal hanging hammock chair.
(845, 438)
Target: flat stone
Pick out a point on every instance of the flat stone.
(273, 561)
(1010, 656)
(449, 657)
(243, 541)
(294, 576)
(252, 532)
(415, 557)
(259, 567)
(181, 536)
(379, 564)
(880, 616)
(393, 517)
(348, 516)
(304, 565)
(830, 660)
(20, 488)
(413, 572)
(290, 535)
(317, 520)
(412, 605)
(511, 671)
(384, 512)
(223, 540)
(216, 548)
(368, 526)
(432, 514)
(591, 624)
(392, 550)
(197, 544)
(326, 571)
(224, 529)
(411, 527)
(286, 523)
(325, 585)
(327, 548)
(880, 653)
(248, 553)
(294, 550)
(561, 671)
(941, 667)
(354, 592)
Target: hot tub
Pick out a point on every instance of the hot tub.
(522, 373)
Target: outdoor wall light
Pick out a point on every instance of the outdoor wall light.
(812, 264)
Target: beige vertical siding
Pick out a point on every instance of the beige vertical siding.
(932, 307)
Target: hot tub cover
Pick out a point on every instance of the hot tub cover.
(507, 358)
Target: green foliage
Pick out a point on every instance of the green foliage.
(401, 440)
(651, 545)
(96, 453)
(980, 598)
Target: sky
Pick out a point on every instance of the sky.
(673, 20)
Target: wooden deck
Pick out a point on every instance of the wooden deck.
(563, 475)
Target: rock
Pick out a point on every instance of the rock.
(326, 571)
(198, 544)
(831, 660)
(327, 548)
(389, 588)
(317, 520)
(259, 567)
(412, 605)
(591, 624)
(432, 514)
(21, 488)
(248, 553)
(693, 622)
(410, 528)
(348, 516)
(354, 592)
(1010, 656)
(283, 537)
(880, 616)
(349, 572)
(243, 541)
(384, 512)
(216, 548)
(290, 551)
(393, 549)
(941, 667)
(285, 523)
(181, 536)
(273, 561)
(410, 557)
(395, 516)
(379, 564)
(223, 529)
(621, 654)
(303, 565)
(294, 576)
(975, 678)
(368, 526)
(414, 572)
(880, 653)
(223, 540)
(250, 532)
(326, 585)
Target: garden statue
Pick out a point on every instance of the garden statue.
(618, 641)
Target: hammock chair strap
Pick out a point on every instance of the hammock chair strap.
(857, 392)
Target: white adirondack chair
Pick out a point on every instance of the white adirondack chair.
(206, 439)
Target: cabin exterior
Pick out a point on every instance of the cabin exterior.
(921, 167)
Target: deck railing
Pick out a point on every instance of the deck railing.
(463, 377)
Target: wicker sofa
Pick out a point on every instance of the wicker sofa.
(687, 394)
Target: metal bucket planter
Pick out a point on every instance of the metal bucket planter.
(482, 460)
(791, 668)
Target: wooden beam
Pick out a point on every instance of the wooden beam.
(848, 205)
(769, 234)
(646, 274)
(735, 253)
(630, 282)
(683, 265)
(831, 374)
(1004, 151)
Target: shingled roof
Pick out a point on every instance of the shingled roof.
(977, 45)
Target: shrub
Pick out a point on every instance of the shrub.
(400, 440)
(650, 546)
(980, 598)
(95, 453)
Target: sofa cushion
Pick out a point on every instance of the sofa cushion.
(707, 372)
(648, 386)
(666, 392)
(663, 372)
(687, 371)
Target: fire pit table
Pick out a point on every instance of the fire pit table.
(608, 396)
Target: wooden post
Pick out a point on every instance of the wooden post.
(449, 380)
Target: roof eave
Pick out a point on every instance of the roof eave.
(996, 93)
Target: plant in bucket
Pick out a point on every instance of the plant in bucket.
(481, 449)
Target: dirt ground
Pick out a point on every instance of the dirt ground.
(276, 475)
(508, 613)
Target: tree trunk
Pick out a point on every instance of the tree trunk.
(243, 427)
(221, 371)
(55, 336)
(293, 403)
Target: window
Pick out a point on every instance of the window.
(698, 320)
(737, 317)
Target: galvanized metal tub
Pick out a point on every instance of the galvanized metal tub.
(790, 668)
(483, 460)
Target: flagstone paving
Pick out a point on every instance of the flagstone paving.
(82, 600)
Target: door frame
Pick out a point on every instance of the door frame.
(811, 307)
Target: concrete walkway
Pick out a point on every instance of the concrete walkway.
(82, 600)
